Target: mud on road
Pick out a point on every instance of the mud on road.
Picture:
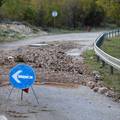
(51, 59)
(58, 68)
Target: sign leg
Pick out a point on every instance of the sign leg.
(21, 95)
(10, 93)
(35, 95)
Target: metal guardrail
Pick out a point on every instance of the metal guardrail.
(112, 61)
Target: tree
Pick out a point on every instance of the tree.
(2, 2)
(111, 8)
(95, 16)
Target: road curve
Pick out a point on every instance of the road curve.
(86, 39)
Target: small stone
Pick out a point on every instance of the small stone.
(95, 89)
(91, 84)
(83, 83)
(99, 84)
(97, 77)
(102, 90)
(10, 57)
(109, 93)
(95, 72)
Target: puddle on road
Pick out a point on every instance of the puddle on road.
(74, 52)
(77, 52)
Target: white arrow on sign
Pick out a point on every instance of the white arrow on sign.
(17, 75)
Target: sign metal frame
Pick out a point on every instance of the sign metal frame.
(14, 75)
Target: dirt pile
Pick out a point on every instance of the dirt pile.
(57, 65)
(53, 65)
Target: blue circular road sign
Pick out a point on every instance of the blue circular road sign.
(22, 76)
(54, 13)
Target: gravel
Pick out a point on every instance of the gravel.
(58, 66)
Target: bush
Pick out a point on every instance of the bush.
(29, 15)
(95, 16)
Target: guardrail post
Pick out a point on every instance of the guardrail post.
(103, 63)
(115, 33)
(111, 70)
(112, 34)
(98, 58)
(109, 34)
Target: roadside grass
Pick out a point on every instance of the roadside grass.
(61, 31)
(109, 80)
(10, 39)
(55, 30)
(112, 47)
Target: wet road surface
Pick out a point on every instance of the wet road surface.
(58, 104)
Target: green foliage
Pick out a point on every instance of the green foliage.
(111, 81)
(95, 16)
(18, 10)
(112, 47)
(29, 14)
(71, 13)
(2, 2)
(112, 10)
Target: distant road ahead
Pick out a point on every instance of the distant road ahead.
(85, 39)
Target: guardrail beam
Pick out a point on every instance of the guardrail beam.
(106, 58)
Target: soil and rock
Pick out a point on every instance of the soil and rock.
(52, 64)
(51, 58)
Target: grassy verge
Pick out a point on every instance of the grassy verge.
(112, 47)
(111, 81)
(72, 30)
(8, 38)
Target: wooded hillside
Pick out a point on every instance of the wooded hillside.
(71, 13)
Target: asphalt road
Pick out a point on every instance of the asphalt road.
(85, 39)
(58, 104)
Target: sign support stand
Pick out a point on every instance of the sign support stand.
(22, 77)
(10, 93)
(35, 95)
(22, 94)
